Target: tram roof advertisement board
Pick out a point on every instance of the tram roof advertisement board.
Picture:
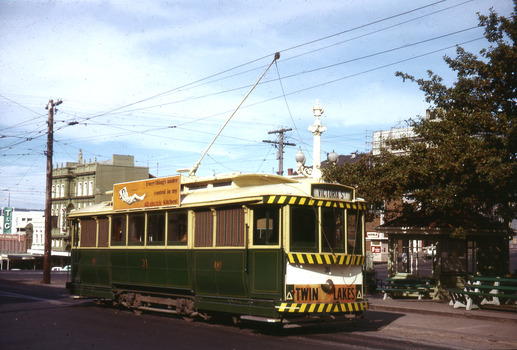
(147, 193)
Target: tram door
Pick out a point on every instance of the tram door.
(265, 256)
(220, 265)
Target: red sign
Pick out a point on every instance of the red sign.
(376, 249)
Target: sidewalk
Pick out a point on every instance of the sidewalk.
(437, 307)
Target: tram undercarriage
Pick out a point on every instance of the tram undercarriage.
(184, 306)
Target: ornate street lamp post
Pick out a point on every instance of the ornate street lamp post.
(316, 129)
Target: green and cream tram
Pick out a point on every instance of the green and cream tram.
(257, 246)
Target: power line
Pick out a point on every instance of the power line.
(301, 73)
(261, 58)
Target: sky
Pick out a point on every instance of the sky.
(158, 79)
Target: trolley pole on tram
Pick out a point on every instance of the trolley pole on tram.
(47, 257)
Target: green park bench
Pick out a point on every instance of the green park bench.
(407, 287)
(482, 290)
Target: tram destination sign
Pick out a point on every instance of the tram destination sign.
(319, 293)
(332, 192)
(147, 193)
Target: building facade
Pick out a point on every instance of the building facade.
(21, 230)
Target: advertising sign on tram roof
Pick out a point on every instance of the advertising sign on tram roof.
(147, 193)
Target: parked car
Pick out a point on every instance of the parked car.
(59, 268)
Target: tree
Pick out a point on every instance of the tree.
(465, 162)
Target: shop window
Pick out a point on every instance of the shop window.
(204, 228)
(136, 229)
(156, 228)
(266, 225)
(230, 227)
(118, 229)
(304, 229)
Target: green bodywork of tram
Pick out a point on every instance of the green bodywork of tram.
(260, 246)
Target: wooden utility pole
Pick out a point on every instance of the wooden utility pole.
(280, 144)
(47, 257)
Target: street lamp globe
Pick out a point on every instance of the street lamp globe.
(300, 157)
(332, 157)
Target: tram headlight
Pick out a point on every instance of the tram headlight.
(328, 287)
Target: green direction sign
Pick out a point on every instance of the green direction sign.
(8, 219)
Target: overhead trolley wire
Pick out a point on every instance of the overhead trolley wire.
(352, 75)
(41, 132)
(364, 72)
(259, 59)
(299, 73)
(376, 31)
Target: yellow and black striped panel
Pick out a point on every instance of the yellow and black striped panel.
(323, 308)
(296, 200)
(325, 259)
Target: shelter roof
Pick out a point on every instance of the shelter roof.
(419, 222)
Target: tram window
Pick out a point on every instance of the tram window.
(304, 229)
(354, 232)
(103, 231)
(88, 232)
(266, 224)
(136, 229)
(204, 228)
(177, 227)
(230, 227)
(333, 229)
(75, 233)
(156, 228)
(118, 229)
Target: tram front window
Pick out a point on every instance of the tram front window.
(333, 229)
(354, 232)
(266, 225)
(304, 229)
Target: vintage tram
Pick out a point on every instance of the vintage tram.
(260, 247)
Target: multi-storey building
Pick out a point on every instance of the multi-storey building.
(80, 184)
(20, 230)
(381, 137)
